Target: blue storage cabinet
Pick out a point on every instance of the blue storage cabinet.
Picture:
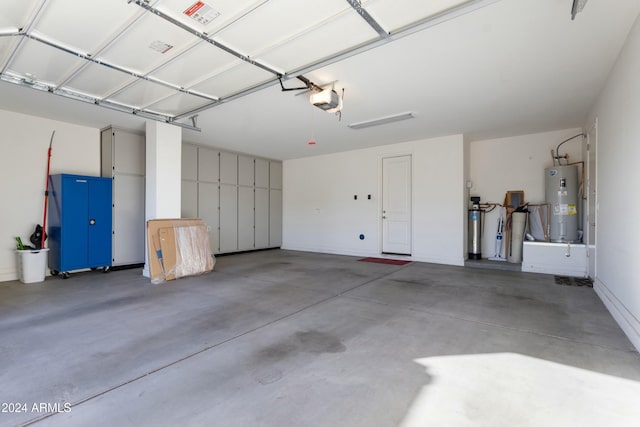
(79, 223)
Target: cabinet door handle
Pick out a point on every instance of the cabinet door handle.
(92, 221)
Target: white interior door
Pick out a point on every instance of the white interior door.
(396, 205)
(592, 204)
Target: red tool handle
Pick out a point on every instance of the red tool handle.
(46, 193)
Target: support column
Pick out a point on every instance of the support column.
(163, 174)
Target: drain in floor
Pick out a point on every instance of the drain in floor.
(573, 281)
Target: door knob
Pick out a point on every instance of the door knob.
(92, 221)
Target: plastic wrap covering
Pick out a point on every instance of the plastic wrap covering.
(539, 222)
(178, 248)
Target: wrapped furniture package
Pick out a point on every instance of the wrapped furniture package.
(178, 248)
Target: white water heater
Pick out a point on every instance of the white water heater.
(561, 193)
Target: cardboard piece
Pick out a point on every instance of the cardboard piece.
(513, 199)
(178, 248)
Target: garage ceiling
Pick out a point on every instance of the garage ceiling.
(484, 68)
(169, 59)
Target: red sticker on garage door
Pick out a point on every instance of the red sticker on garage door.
(194, 8)
(202, 12)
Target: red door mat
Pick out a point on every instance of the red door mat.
(385, 261)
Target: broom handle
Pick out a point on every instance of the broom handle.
(46, 193)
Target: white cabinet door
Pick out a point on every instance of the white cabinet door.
(261, 218)
(129, 152)
(189, 168)
(208, 204)
(189, 200)
(123, 159)
(230, 192)
(106, 153)
(275, 175)
(208, 165)
(128, 220)
(245, 171)
(275, 218)
(262, 173)
(245, 218)
(228, 168)
(228, 218)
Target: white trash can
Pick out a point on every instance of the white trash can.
(32, 265)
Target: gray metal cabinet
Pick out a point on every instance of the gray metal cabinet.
(201, 189)
(208, 210)
(228, 168)
(261, 203)
(208, 165)
(275, 218)
(246, 214)
(275, 175)
(262, 173)
(228, 202)
(189, 199)
(261, 230)
(246, 240)
(128, 219)
(123, 160)
(238, 196)
(123, 152)
(245, 171)
(189, 166)
(275, 204)
(209, 193)
(228, 218)
(189, 187)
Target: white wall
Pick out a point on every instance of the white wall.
(618, 175)
(321, 215)
(24, 144)
(515, 163)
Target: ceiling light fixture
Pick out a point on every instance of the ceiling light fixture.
(577, 7)
(382, 120)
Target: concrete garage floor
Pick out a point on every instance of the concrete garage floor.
(280, 338)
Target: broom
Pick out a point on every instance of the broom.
(46, 193)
